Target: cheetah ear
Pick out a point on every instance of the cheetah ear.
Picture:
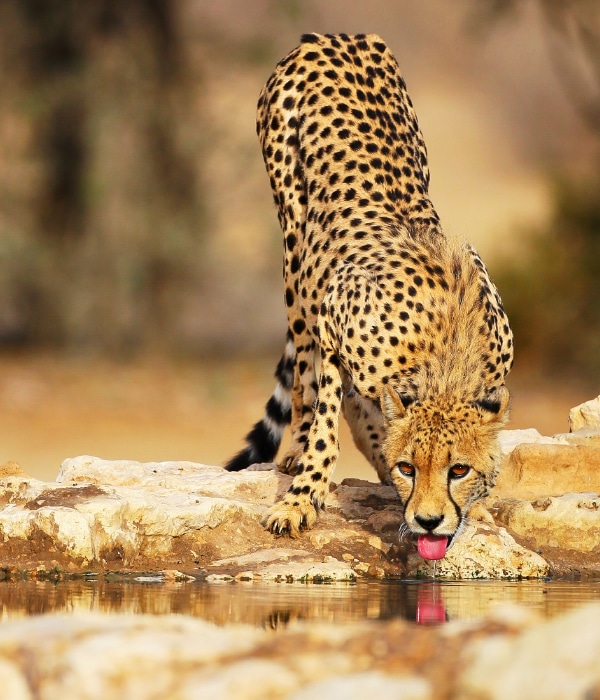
(393, 406)
(494, 407)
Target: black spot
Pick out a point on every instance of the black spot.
(299, 326)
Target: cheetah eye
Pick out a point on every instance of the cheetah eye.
(406, 469)
(458, 471)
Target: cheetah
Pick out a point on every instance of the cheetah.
(389, 322)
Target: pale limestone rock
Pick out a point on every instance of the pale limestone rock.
(13, 682)
(247, 679)
(371, 684)
(94, 657)
(569, 523)
(66, 527)
(586, 415)
(116, 514)
(11, 468)
(554, 660)
(482, 551)
(87, 523)
(286, 565)
(321, 572)
(509, 439)
(535, 470)
(584, 436)
(188, 477)
(509, 653)
(261, 557)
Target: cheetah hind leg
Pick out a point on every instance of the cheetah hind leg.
(365, 421)
(303, 397)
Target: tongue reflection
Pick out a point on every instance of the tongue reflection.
(432, 546)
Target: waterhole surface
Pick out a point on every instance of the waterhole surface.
(275, 605)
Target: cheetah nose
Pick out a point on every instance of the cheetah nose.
(430, 523)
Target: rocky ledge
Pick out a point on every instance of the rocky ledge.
(543, 518)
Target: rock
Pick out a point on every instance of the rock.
(11, 468)
(357, 686)
(565, 529)
(307, 572)
(555, 660)
(510, 653)
(286, 565)
(584, 436)
(509, 439)
(482, 552)
(80, 523)
(586, 415)
(534, 470)
(109, 515)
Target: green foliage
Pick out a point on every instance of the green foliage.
(552, 296)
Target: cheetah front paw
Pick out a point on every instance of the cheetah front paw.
(291, 515)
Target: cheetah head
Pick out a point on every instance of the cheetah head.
(443, 457)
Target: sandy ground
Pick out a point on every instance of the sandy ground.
(155, 410)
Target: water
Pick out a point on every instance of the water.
(275, 605)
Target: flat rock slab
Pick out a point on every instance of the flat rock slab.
(538, 469)
(510, 653)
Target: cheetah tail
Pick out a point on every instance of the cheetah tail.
(265, 437)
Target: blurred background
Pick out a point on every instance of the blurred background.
(141, 306)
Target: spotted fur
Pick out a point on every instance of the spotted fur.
(409, 331)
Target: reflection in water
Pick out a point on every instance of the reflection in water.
(275, 605)
(430, 605)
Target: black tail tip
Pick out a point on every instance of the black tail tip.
(242, 460)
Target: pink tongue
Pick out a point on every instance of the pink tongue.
(432, 546)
